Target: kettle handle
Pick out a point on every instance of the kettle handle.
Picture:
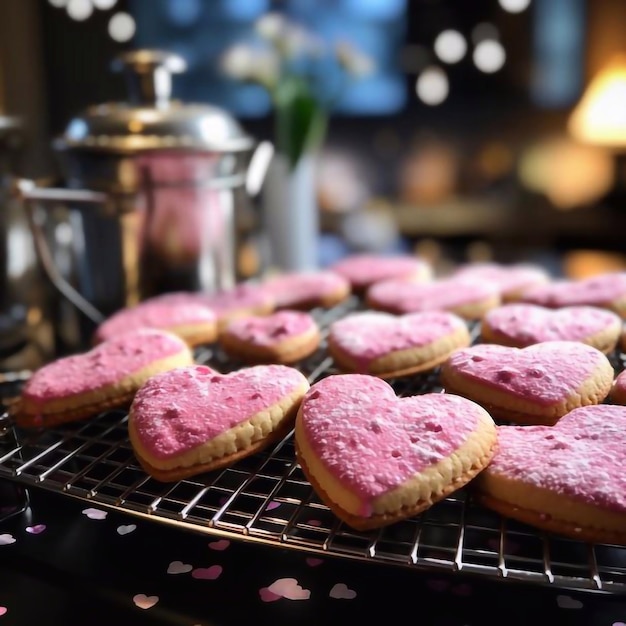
(29, 193)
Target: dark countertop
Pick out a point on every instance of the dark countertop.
(59, 566)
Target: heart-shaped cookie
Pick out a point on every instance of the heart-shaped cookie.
(567, 478)
(470, 299)
(512, 280)
(363, 270)
(385, 345)
(192, 321)
(192, 419)
(375, 458)
(306, 290)
(534, 385)
(106, 377)
(521, 325)
(606, 290)
(283, 337)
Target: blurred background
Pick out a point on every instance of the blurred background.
(494, 129)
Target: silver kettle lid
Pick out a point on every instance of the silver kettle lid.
(151, 120)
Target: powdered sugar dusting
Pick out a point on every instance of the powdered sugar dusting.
(370, 335)
(545, 373)
(181, 409)
(371, 441)
(106, 364)
(583, 456)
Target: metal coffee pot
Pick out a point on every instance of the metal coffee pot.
(153, 190)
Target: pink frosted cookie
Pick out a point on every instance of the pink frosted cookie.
(106, 377)
(306, 290)
(607, 291)
(388, 346)
(568, 478)
(534, 385)
(283, 337)
(374, 458)
(193, 420)
(192, 321)
(512, 280)
(363, 270)
(521, 325)
(469, 299)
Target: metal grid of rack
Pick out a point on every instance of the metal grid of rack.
(266, 498)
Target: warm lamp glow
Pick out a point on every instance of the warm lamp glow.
(600, 116)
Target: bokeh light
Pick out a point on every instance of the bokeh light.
(432, 86)
(489, 56)
(514, 6)
(450, 46)
(122, 27)
(484, 30)
(79, 10)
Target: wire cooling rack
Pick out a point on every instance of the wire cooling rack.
(265, 498)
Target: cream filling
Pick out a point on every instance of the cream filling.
(422, 486)
(228, 442)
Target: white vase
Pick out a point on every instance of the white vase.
(291, 214)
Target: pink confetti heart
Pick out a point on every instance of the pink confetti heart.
(290, 589)
(7, 539)
(178, 567)
(267, 595)
(437, 584)
(342, 592)
(36, 530)
(207, 573)
(95, 513)
(618, 624)
(272, 505)
(145, 602)
(567, 602)
(220, 545)
(4, 610)
(314, 522)
(126, 529)
(313, 562)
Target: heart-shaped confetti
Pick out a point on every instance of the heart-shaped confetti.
(178, 567)
(290, 589)
(314, 522)
(35, 530)
(267, 595)
(207, 573)
(126, 529)
(313, 562)
(341, 591)
(567, 602)
(220, 545)
(272, 505)
(4, 611)
(7, 539)
(95, 514)
(145, 602)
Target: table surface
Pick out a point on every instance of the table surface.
(63, 562)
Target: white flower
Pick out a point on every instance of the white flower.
(238, 61)
(354, 61)
(270, 26)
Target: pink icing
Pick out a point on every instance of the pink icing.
(155, 313)
(106, 364)
(600, 290)
(371, 441)
(362, 270)
(370, 335)
(403, 296)
(273, 329)
(526, 324)
(544, 373)
(582, 457)
(298, 288)
(509, 278)
(181, 409)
